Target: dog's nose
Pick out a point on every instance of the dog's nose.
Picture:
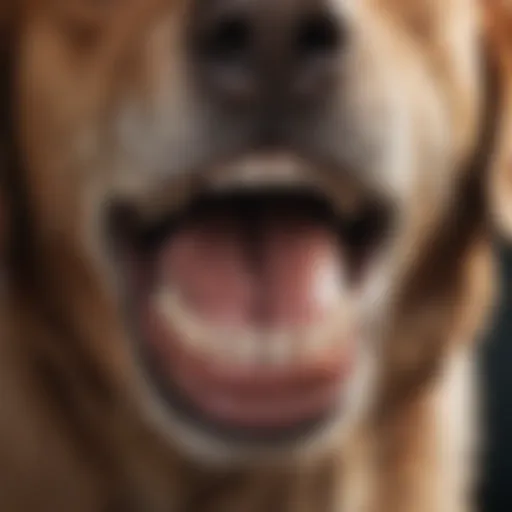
(249, 49)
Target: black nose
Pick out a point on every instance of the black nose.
(249, 49)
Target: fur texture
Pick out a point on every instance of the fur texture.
(75, 78)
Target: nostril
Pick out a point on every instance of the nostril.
(318, 36)
(247, 52)
(229, 41)
(225, 54)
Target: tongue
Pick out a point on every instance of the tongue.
(281, 270)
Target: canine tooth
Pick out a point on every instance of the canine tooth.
(330, 284)
(181, 320)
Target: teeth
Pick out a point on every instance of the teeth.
(263, 170)
(282, 170)
(276, 349)
(153, 204)
(246, 347)
(181, 321)
(279, 170)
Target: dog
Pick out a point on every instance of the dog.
(247, 251)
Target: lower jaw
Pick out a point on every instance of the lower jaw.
(182, 408)
(166, 375)
(272, 431)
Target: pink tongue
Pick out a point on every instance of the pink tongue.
(288, 272)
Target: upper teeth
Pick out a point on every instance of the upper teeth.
(255, 171)
(283, 170)
(248, 346)
(262, 170)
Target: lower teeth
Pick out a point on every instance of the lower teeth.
(239, 345)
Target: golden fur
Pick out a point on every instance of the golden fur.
(73, 436)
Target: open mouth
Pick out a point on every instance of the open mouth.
(245, 299)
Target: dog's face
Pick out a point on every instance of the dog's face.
(246, 186)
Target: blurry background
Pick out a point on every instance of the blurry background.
(497, 371)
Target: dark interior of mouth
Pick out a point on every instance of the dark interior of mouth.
(359, 232)
(251, 214)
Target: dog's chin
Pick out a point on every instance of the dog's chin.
(245, 303)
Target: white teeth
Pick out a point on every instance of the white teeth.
(330, 285)
(310, 340)
(166, 200)
(246, 347)
(262, 170)
(283, 170)
(180, 320)
(276, 348)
